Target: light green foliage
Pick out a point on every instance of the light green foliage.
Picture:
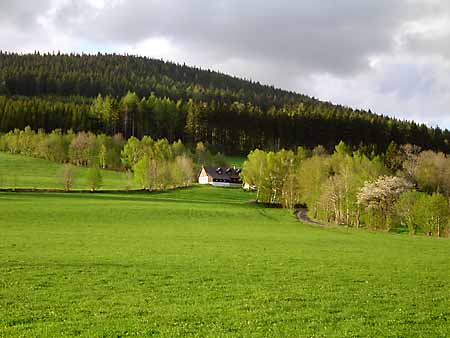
(178, 148)
(202, 262)
(68, 177)
(102, 155)
(55, 146)
(409, 209)
(26, 141)
(282, 166)
(102, 109)
(162, 150)
(159, 173)
(142, 174)
(200, 153)
(182, 171)
(94, 178)
(163, 175)
(312, 175)
(427, 213)
(274, 176)
(302, 154)
(349, 174)
(435, 214)
(128, 180)
(132, 152)
(88, 149)
(432, 172)
(342, 149)
(349, 188)
(12, 141)
(328, 185)
(255, 172)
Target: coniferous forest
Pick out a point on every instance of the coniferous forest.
(137, 96)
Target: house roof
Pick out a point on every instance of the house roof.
(223, 173)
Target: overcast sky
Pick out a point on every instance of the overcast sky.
(390, 56)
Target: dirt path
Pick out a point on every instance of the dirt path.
(302, 215)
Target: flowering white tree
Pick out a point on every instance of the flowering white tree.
(380, 196)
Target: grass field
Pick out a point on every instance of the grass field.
(202, 262)
(17, 171)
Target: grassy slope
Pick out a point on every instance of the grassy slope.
(18, 171)
(201, 262)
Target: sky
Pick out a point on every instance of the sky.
(390, 56)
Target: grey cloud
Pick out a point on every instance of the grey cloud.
(400, 88)
(429, 40)
(424, 45)
(408, 80)
(20, 26)
(22, 14)
(307, 36)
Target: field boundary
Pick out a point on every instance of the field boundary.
(87, 191)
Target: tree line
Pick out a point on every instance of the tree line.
(231, 128)
(138, 96)
(111, 74)
(406, 189)
(154, 164)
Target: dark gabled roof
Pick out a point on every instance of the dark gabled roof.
(223, 173)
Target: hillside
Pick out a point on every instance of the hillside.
(142, 96)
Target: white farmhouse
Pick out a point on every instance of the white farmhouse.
(220, 177)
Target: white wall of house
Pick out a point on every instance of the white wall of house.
(203, 180)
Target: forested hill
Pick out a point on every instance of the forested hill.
(115, 75)
(141, 96)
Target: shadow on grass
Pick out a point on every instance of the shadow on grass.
(127, 196)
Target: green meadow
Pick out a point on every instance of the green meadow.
(18, 171)
(206, 262)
